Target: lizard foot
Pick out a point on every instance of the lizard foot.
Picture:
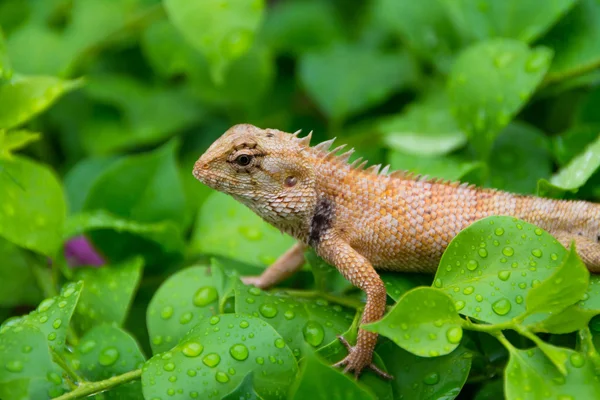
(253, 280)
(356, 361)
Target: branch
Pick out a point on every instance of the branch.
(91, 388)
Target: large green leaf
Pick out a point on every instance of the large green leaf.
(490, 267)
(221, 30)
(5, 67)
(15, 140)
(451, 168)
(490, 82)
(17, 276)
(81, 177)
(107, 294)
(216, 355)
(228, 228)
(423, 322)
(32, 205)
(340, 91)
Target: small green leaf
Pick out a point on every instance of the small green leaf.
(565, 287)
(297, 320)
(27, 369)
(17, 277)
(327, 278)
(32, 205)
(81, 177)
(423, 377)
(569, 144)
(489, 267)
(221, 30)
(569, 320)
(106, 351)
(15, 140)
(52, 316)
(425, 128)
(184, 299)
(490, 82)
(425, 314)
(215, 356)
(24, 97)
(320, 381)
(396, 285)
(530, 369)
(340, 91)
(245, 391)
(446, 167)
(107, 294)
(228, 228)
(5, 68)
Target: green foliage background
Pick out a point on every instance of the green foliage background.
(105, 105)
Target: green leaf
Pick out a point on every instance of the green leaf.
(24, 97)
(489, 267)
(425, 128)
(478, 21)
(81, 177)
(297, 320)
(565, 287)
(147, 114)
(575, 40)
(396, 285)
(490, 82)
(320, 381)
(106, 351)
(245, 390)
(530, 375)
(15, 140)
(107, 294)
(5, 67)
(228, 228)
(32, 205)
(340, 91)
(423, 322)
(446, 167)
(577, 172)
(165, 234)
(327, 278)
(221, 30)
(520, 157)
(569, 320)
(186, 298)
(52, 316)
(17, 277)
(215, 356)
(423, 377)
(568, 144)
(27, 371)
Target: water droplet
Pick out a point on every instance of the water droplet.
(438, 283)
(503, 275)
(52, 336)
(191, 372)
(169, 367)
(204, 296)
(260, 360)
(192, 349)
(239, 352)
(108, 356)
(45, 305)
(185, 318)
(244, 324)
(482, 253)
(54, 378)
(536, 253)
(214, 320)
(499, 231)
(454, 335)
(479, 298)
(508, 251)
(434, 353)
(468, 290)
(211, 360)
(577, 360)
(538, 231)
(158, 339)
(254, 291)
(26, 349)
(472, 265)
(431, 379)
(313, 333)
(87, 346)
(222, 377)
(432, 336)
(172, 378)
(268, 310)
(502, 306)
(57, 323)
(44, 319)
(14, 366)
(62, 304)
(519, 299)
(250, 300)
(279, 343)
(166, 312)
(459, 305)
(289, 314)
(69, 291)
(535, 282)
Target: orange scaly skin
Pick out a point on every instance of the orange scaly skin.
(360, 220)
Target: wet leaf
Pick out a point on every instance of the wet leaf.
(216, 355)
(327, 278)
(5, 68)
(489, 268)
(17, 277)
(15, 140)
(423, 322)
(107, 294)
(396, 285)
(490, 82)
(245, 390)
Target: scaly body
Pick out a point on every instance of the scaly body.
(361, 220)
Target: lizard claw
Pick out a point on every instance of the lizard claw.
(356, 361)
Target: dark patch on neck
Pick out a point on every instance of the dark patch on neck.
(321, 221)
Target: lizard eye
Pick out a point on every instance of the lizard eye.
(243, 160)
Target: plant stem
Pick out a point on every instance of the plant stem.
(91, 388)
(346, 302)
(467, 324)
(75, 378)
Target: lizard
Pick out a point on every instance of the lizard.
(362, 219)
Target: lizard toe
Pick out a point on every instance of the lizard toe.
(356, 362)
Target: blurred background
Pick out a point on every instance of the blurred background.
(109, 103)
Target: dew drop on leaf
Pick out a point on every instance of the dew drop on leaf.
(255, 291)
(14, 366)
(260, 360)
(44, 319)
(57, 323)
(536, 253)
(222, 377)
(191, 372)
(279, 343)
(239, 352)
(204, 296)
(54, 378)
(482, 253)
(185, 318)
(519, 299)
(504, 275)
(289, 314)
(244, 324)
(508, 251)
(26, 349)
(577, 360)
(468, 290)
(473, 264)
(431, 379)
(211, 360)
(45, 305)
(502, 306)
(52, 336)
(479, 298)
(438, 283)
(454, 335)
(108, 356)
(214, 320)
(166, 312)
(192, 349)
(313, 332)
(499, 231)
(69, 291)
(538, 231)
(268, 310)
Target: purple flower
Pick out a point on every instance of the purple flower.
(79, 251)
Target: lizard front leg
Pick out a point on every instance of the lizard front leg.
(285, 266)
(359, 271)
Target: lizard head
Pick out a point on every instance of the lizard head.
(266, 169)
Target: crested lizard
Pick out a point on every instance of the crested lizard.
(365, 219)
